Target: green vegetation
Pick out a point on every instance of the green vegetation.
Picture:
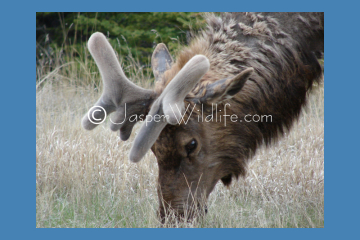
(132, 34)
(61, 40)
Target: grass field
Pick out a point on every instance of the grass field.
(84, 178)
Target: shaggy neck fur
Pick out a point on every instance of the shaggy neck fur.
(284, 58)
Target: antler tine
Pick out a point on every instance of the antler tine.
(106, 61)
(168, 105)
(181, 85)
(118, 91)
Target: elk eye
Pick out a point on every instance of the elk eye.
(191, 146)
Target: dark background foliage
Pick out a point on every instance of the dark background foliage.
(130, 33)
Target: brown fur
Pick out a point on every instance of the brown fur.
(281, 48)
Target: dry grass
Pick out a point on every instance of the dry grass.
(84, 178)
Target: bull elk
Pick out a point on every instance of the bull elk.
(245, 64)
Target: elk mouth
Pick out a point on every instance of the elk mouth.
(182, 213)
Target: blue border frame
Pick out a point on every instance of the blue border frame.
(341, 87)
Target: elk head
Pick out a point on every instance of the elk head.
(192, 155)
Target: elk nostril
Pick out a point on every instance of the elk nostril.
(203, 208)
(161, 214)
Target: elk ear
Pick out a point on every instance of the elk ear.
(160, 61)
(225, 88)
